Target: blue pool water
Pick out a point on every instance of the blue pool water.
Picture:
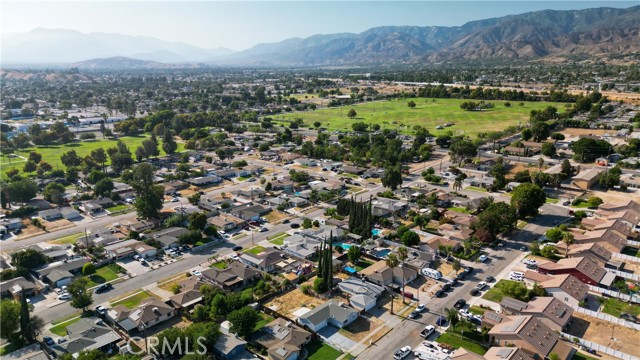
(346, 246)
(382, 253)
(376, 232)
(350, 270)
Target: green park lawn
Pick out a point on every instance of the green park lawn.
(51, 154)
(132, 301)
(102, 275)
(320, 351)
(495, 294)
(395, 114)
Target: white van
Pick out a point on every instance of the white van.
(432, 273)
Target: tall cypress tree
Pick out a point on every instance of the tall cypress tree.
(25, 323)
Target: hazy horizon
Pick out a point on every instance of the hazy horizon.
(243, 24)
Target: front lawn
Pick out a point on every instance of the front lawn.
(472, 340)
(103, 275)
(278, 239)
(320, 351)
(615, 307)
(475, 188)
(474, 309)
(133, 301)
(255, 250)
(264, 320)
(460, 210)
(9, 348)
(551, 201)
(71, 239)
(117, 208)
(61, 329)
(495, 294)
(220, 265)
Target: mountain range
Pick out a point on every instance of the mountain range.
(595, 33)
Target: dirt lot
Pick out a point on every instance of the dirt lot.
(359, 329)
(578, 132)
(29, 231)
(446, 269)
(292, 301)
(614, 196)
(56, 225)
(590, 328)
(276, 216)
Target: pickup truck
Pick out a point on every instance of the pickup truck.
(428, 330)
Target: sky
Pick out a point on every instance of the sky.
(239, 25)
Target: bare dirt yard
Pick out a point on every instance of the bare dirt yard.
(605, 333)
(292, 301)
(614, 196)
(360, 328)
(56, 225)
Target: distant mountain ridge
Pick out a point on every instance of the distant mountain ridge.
(593, 32)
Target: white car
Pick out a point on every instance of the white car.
(136, 257)
(64, 297)
(101, 310)
(483, 258)
(421, 308)
(402, 353)
(481, 285)
(530, 262)
(464, 313)
(196, 273)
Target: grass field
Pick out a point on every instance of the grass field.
(278, 239)
(264, 320)
(615, 307)
(395, 114)
(132, 301)
(220, 265)
(471, 341)
(117, 208)
(51, 154)
(321, 351)
(495, 294)
(71, 239)
(61, 329)
(363, 264)
(102, 275)
(255, 250)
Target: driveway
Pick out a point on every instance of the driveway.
(132, 266)
(331, 336)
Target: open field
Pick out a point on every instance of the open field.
(51, 154)
(395, 114)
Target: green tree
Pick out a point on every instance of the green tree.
(526, 134)
(197, 221)
(568, 240)
(451, 314)
(411, 104)
(54, 193)
(540, 131)
(243, 321)
(554, 234)
(80, 296)
(352, 113)
(410, 238)
(461, 150)
(527, 198)
(35, 157)
(70, 159)
(587, 149)
(148, 196)
(566, 169)
(548, 149)
(498, 217)
(30, 166)
(10, 315)
(88, 269)
(25, 321)
(354, 254)
(392, 177)
(169, 144)
(103, 187)
(28, 259)
(99, 156)
(307, 223)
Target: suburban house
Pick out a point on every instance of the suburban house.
(97, 205)
(234, 277)
(284, 340)
(506, 353)
(142, 225)
(129, 248)
(303, 247)
(62, 272)
(354, 170)
(631, 204)
(248, 212)
(282, 185)
(186, 300)
(90, 334)
(50, 215)
(566, 288)
(226, 222)
(532, 336)
(362, 295)
(593, 251)
(265, 261)
(331, 312)
(149, 313)
(608, 238)
(17, 287)
(204, 180)
(435, 243)
(585, 269)
(379, 273)
(551, 311)
(229, 347)
(587, 178)
(169, 237)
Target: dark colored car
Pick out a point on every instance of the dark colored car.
(474, 292)
(103, 288)
(468, 270)
(48, 340)
(295, 226)
(446, 287)
(285, 221)
(440, 293)
(441, 320)
(453, 282)
(237, 248)
(459, 304)
(490, 279)
(461, 276)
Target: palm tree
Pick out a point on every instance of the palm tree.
(452, 316)
(568, 239)
(457, 184)
(403, 253)
(392, 262)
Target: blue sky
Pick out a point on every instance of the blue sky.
(241, 24)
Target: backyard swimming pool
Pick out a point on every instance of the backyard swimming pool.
(376, 232)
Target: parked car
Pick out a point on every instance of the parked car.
(490, 279)
(421, 308)
(104, 287)
(428, 330)
(285, 221)
(64, 297)
(263, 229)
(483, 258)
(196, 273)
(481, 285)
(48, 340)
(474, 292)
(101, 310)
(136, 257)
(468, 270)
(295, 225)
(440, 293)
(441, 320)
(461, 276)
(414, 314)
(464, 313)
(402, 353)
(237, 248)
(459, 304)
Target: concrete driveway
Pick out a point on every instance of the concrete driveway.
(132, 266)
(332, 337)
